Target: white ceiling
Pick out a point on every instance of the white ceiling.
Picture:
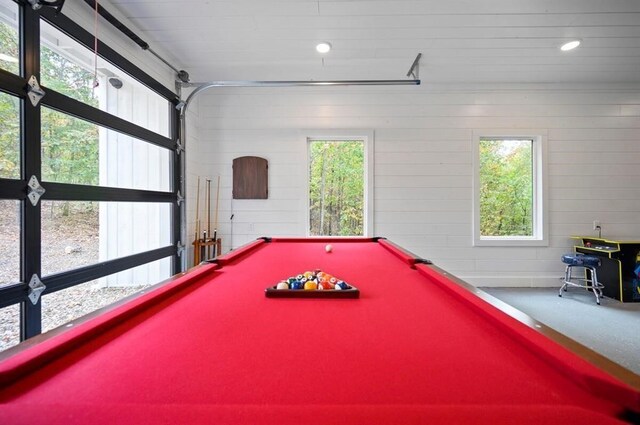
(461, 40)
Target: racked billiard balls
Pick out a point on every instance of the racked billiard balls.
(341, 285)
(324, 285)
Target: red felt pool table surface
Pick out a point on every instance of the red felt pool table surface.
(209, 347)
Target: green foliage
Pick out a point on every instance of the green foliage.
(9, 46)
(69, 149)
(67, 77)
(9, 137)
(506, 188)
(69, 145)
(9, 109)
(336, 188)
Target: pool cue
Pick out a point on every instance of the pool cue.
(231, 224)
(207, 248)
(215, 221)
(203, 247)
(195, 240)
(197, 208)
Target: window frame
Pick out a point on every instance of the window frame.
(367, 137)
(540, 202)
(31, 165)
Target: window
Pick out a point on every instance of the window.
(9, 37)
(340, 186)
(79, 152)
(509, 191)
(68, 67)
(9, 137)
(9, 241)
(9, 326)
(108, 220)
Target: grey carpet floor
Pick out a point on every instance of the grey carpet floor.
(611, 329)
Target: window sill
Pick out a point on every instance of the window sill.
(510, 242)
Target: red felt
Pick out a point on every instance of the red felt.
(38, 355)
(220, 351)
(387, 414)
(566, 362)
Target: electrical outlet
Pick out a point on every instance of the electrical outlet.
(596, 225)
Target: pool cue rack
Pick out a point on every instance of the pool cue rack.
(206, 248)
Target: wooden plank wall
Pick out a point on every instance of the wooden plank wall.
(423, 163)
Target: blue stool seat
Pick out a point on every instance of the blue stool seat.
(589, 281)
(581, 260)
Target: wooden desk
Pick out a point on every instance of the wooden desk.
(619, 260)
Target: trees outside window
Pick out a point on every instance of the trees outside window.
(506, 187)
(509, 202)
(336, 187)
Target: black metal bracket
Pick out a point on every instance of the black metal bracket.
(210, 261)
(422, 261)
(266, 239)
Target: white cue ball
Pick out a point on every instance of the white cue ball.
(282, 285)
(328, 248)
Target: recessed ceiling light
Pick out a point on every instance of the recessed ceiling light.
(570, 45)
(8, 58)
(323, 47)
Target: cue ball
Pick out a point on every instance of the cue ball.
(328, 248)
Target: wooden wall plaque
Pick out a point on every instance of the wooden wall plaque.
(250, 178)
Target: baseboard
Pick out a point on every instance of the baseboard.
(513, 281)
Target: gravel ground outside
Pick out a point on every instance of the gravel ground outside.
(62, 307)
(69, 240)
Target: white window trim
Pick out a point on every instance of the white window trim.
(367, 137)
(540, 190)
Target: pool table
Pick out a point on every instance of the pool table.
(418, 346)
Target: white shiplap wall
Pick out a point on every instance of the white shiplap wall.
(423, 163)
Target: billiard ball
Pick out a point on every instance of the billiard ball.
(328, 248)
(342, 285)
(296, 285)
(310, 286)
(282, 285)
